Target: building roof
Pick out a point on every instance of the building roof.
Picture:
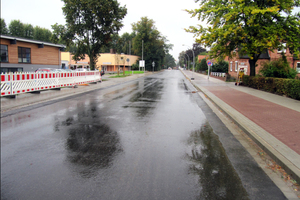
(13, 38)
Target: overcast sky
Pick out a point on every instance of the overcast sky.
(169, 17)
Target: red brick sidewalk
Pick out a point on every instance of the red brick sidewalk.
(283, 123)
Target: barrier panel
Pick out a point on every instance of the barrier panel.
(5, 84)
(17, 83)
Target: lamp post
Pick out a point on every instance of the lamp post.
(193, 62)
(188, 60)
(184, 59)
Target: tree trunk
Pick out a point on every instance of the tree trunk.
(92, 64)
(252, 63)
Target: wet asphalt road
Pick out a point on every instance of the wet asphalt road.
(151, 138)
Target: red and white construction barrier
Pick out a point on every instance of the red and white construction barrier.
(17, 83)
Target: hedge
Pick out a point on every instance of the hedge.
(281, 86)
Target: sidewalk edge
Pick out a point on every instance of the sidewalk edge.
(292, 168)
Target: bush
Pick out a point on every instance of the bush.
(135, 66)
(278, 68)
(203, 66)
(221, 66)
(288, 87)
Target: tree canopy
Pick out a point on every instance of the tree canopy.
(154, 44)
(3, 28)
(18, 29)
(91, 24)
(247, 26)
(169, 61)
(187, 56)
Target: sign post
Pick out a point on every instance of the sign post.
(128, 65)
(142, 64)
(209, 63)
(153, 64)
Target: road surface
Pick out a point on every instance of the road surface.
(150, 138)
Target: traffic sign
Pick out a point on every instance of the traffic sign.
(209, 63)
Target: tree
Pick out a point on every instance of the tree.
(247, 26)
(59, 34)
(182, 59)
(3, 28)
(126, 42)
(154, 44)
(197, 48)
(203, 65)
(169, 61)
(16, 28)
(28, 31)
(91, 24)
(42, 34)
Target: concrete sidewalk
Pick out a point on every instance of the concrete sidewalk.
(272, 121)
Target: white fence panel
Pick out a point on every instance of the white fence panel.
(219, 74)
(16, 83)
(5, 84)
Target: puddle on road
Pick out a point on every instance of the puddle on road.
(144, 101)
(92, 147)
(208, 161)
(90, 144)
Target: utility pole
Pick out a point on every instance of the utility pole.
(143, 54)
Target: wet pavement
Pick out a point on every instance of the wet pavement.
(152, 138)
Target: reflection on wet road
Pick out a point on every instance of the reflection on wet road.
(146, 139)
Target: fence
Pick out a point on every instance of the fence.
(17, 83)
(219, 74)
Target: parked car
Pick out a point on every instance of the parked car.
(82, 69)
(68, 70)
(45, 70)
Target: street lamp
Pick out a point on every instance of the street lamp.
(184, 60)
(193, 62)
(188, 61)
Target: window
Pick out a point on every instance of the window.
(236, 65)
(24, 54)
(4, 53)
(298, 67)
(231, 66)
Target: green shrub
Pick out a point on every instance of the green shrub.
(293, 88)
(221, 66)
(246, 80)
(135, 66)
(278, 68)
(203, 66)
(281, 86)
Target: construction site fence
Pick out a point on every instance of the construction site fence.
(22, 82)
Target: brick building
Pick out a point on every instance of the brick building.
(20, 54)
(267, 55)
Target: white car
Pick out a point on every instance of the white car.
(82, 69)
